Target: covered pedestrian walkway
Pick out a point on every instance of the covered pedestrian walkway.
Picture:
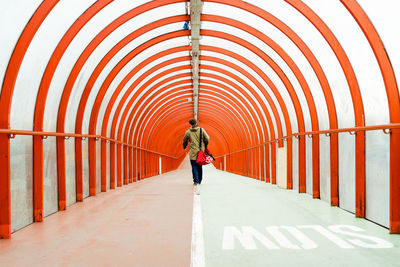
(298, 96)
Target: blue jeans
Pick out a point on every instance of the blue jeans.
(197, 171)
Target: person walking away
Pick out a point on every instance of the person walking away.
(192, 136)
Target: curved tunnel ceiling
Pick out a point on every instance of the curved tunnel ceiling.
(268, 69)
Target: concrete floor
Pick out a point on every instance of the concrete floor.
(245, 223)
(250, 223)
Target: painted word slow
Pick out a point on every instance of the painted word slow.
(297, 237)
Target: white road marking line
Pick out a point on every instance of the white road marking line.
(197, 255)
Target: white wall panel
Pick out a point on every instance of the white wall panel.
(384, 15)
(57, 24)
(270, 160)
(347, 172)
(50, 183)
(274, 56)
(309, 169)
(120, 33)
(371, 86)
(281, 176)
(324, 169)
(109, 42)
(377, 177)
(98, 166)
(14, 15)
(85, 168)
(115, 168)
(295, 172)
(122, 165)
(93, 27)
(70, 176)
(21, 182)
(74, 100)
(108, 165)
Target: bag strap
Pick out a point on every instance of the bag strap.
(201, 139)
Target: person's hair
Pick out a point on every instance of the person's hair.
(193, 122)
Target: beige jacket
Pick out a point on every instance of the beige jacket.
(192, 136)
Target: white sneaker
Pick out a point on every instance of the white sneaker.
(197, 189)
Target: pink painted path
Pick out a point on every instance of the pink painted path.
(147, 223)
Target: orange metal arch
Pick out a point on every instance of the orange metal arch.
(158, 121)
(227, 135)
(148, 134)
(217, 134)
(78, 66)
(137, 93)
(229, 115)
(293, 96)
(92, 126)
(245, 93)
(125, 133)
(139, 123)
(162, 123)
(317, 69)
(394, 105)
(354, 90)
(161, 120)
(40, 107)
(120, 105)
(8, 86)
(5, 104)
(356, 98)
(182, 120)
(153, 87)
(218, 123)
(180, 111)
(103, 124)
(163, 99)
(303, 83)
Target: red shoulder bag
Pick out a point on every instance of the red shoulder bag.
(203, 157)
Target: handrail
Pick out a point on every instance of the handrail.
(386, 128)
(12, 133)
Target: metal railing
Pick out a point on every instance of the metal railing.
(13, 133)
(386, 128)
